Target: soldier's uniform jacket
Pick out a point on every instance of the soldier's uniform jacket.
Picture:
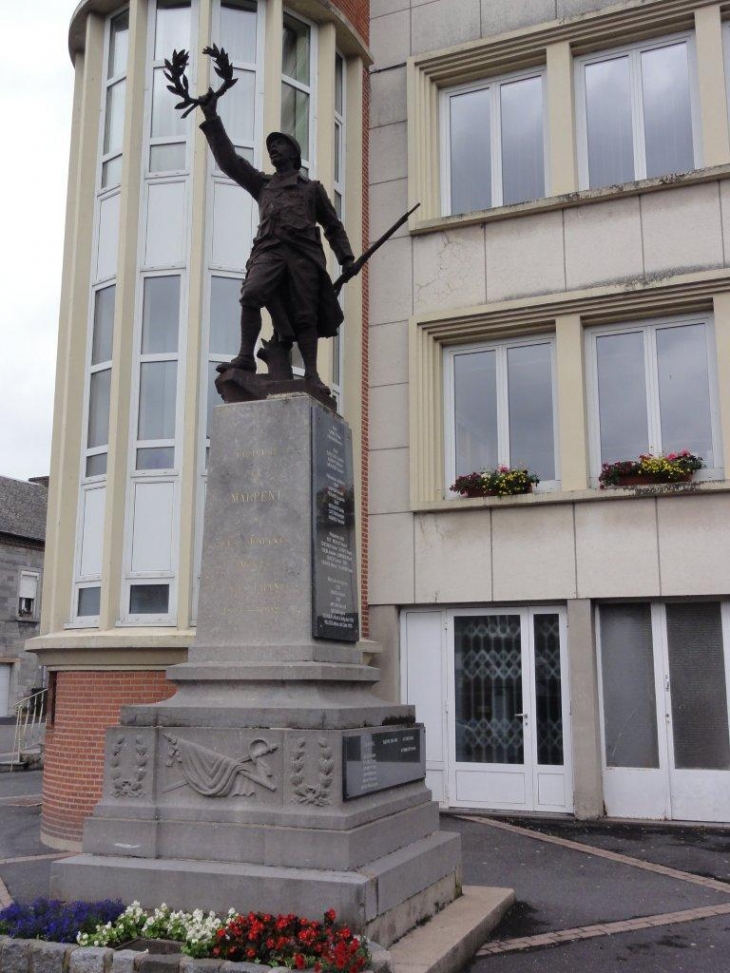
(290, 207)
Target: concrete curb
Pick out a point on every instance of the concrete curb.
(447, 942)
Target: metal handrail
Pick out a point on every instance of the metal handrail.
(30, 715)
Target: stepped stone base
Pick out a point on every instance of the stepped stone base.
(257, 786)
(383, 899)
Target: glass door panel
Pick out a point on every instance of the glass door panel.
(488, 685)
(548, 691)
(698, 690)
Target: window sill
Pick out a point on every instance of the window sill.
(578, 496)
(569, 200)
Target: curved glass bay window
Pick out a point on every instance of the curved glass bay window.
(298, 59)
(168, 130)
(169, 244)
(87, 567)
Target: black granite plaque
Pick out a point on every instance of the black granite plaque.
(374, 760)
(334, 575)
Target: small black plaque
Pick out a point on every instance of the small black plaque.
(374, 760)
(334, 575)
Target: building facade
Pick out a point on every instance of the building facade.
(22, 535)
(560, 300)
(156, 245)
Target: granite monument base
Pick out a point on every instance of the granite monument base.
(275, 779)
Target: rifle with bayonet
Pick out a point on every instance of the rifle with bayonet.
(361, 261)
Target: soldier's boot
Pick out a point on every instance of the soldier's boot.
(308, 350)
(250, 329)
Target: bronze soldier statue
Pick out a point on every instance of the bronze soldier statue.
(287, 270)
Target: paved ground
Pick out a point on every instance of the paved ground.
(606, 897)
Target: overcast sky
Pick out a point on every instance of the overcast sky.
(36, 89)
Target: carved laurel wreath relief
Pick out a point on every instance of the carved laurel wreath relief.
(132, 786)
(304, 791)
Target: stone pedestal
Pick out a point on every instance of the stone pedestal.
(232, 793)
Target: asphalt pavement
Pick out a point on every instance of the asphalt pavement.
(605, 896)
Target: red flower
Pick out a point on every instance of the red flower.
(299, 961)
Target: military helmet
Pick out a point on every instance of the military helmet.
(291, 140)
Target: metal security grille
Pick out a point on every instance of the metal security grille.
(488, 684)
(549, 712)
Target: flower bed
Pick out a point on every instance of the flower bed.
(647, 469)
(271, 941)
(499, 482)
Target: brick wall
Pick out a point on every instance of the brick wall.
(84, 705)
(358, 13)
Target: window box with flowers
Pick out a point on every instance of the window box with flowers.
(499, 482)
(648, 470)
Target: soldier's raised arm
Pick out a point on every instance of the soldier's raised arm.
(229, 161)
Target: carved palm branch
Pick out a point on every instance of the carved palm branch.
(179, 85)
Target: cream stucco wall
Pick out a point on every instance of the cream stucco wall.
(555, 266)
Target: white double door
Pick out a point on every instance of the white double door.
(665, 674)
(491, 687)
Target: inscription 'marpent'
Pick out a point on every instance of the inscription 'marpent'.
(255, 496)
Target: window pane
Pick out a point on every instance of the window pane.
(610, 134)
(629, 698)
(699, 697)
(149, 599)
(684, 391)
(160, 315)
(338, 152)
(339, 84)
(475, 411)
(488, 689)
(118, 45)
(622, 396)
(101, 344)
(99, 390)
(111, 172)
(238, 30)
(157, 387)
(471, 158)
(237, 107)
(172, 28)
(548, 693)
(89, 602)
(667, 111)
(530, 383)
(96, 464)
(166, 120)
(225, 315)
(295, 115)
(295, 50)
(168, 158)
(156, 458)
(523, 147)
(114, 118)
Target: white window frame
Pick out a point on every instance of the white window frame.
(501, 347)
(107, 84)
(35, 576)
(310, 160)
(153, 64)
(494, 86)
(634, 52)
(649, 329)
